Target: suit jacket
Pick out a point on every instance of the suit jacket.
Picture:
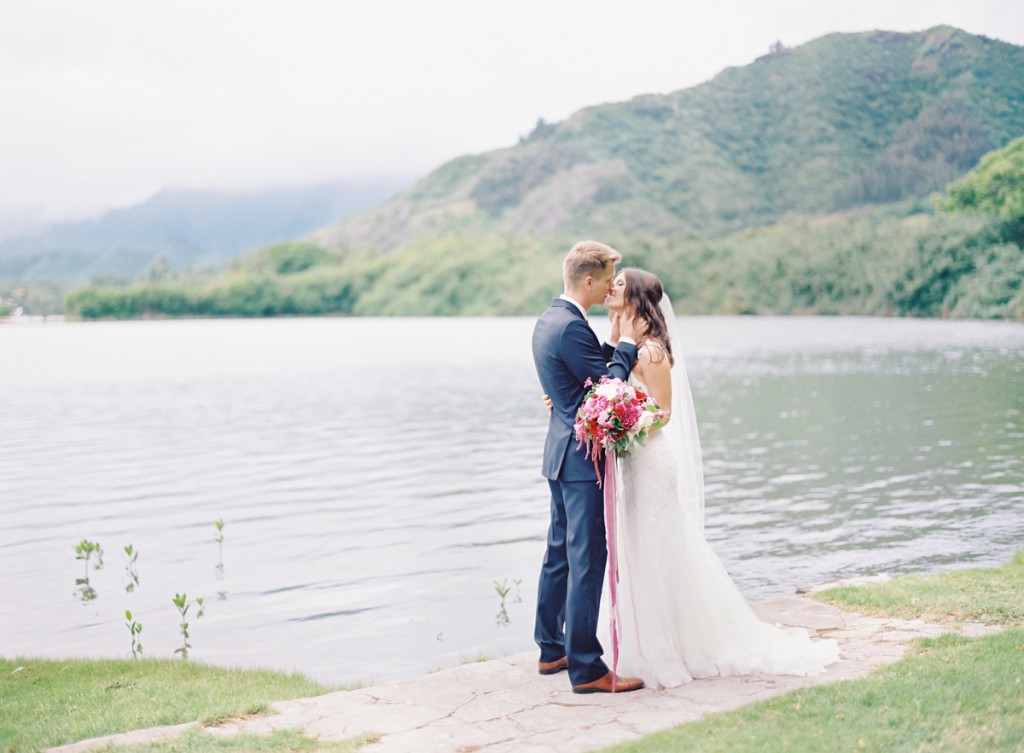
(566, 353)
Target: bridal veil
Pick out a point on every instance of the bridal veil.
(682, 428)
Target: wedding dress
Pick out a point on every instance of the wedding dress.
(680, 614)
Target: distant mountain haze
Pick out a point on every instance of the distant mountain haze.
(182, 228)
(846, 120)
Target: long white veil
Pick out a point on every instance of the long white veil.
(682, 429)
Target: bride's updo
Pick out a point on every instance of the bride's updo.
(643, 293)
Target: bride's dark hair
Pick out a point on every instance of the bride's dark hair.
(643, 293)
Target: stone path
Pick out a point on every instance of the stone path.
(503, 705)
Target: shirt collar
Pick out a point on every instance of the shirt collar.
(575, 303)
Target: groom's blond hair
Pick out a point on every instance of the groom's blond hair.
(587, 259)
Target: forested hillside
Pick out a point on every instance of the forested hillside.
(800, 184)
(843, 121)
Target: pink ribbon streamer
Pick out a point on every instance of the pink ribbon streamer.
(611, 535)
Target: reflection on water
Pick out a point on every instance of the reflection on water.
(377, 487)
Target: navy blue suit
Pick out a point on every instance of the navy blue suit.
(566, 352)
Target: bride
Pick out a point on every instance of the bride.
(681, 616)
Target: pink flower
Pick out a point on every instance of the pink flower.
(615, 415)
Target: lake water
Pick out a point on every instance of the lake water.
(378, 477)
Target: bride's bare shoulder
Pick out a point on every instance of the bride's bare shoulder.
(651, 351)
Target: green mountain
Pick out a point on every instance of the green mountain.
(799, 184)
(843, 121)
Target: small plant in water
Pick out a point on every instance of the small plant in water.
(182, 603)
(84, 550)
(503, 590)
(219, 538)
(131, 576)
(136, 629)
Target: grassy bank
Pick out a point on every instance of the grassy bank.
(991, 595)
(951, 694)
(44, 703)
(948, 694)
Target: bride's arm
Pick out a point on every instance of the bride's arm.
(656, 374)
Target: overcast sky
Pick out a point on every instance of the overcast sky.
(104, 102)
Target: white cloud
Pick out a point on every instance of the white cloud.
(103, 103)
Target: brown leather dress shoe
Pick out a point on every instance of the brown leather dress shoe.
(553, 667)
(604, 685)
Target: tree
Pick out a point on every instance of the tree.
(995, 187)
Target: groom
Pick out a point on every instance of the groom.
(567, 353)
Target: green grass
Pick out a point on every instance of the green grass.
(989, 595)
(282, 741)
(953, 694)
(46, 702)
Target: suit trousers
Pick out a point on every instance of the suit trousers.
(571, 578)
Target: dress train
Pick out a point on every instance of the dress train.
(682, 617)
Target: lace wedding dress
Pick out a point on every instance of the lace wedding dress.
(681, 615)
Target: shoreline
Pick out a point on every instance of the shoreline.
(503, 705)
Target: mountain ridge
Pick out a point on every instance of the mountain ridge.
(841, 121)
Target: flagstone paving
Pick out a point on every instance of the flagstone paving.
(503, 705)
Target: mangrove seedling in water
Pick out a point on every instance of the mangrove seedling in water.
(182, 603)
(131, 576)
(219, 538)
(503, 589)
(84, 550)
(136, 629)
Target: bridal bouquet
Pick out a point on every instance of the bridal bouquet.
(615, 417)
